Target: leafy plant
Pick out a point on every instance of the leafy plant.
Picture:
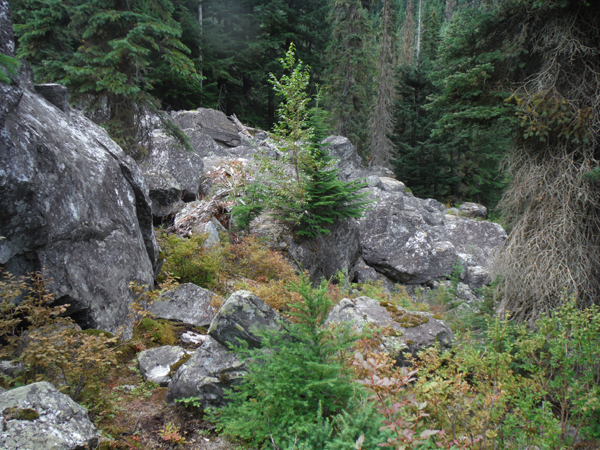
(51, 347)
(314, 198)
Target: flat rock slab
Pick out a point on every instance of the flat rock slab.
(211, 122)
(39, 417)
(188, 304)
(411, 331)
(207, 373)
(155, 363)
(242, 315)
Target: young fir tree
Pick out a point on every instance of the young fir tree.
(299, 377)
(315, 198)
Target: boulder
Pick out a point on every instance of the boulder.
(57, 94)
(322, 256)
(74, 205)
(472, 210)
(207, 373)
(39, 417)
(173, 175)
(407, 331)
(412, 241)
(187, 303)
(396, 240)
(211, 122)
(240, 317)
(155, 363)
(198, 217)
(349, 163)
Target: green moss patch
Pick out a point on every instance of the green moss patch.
(404, 318)
(16, 413)
(175, 366)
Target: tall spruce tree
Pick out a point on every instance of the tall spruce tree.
(350, 76)
(382, 118)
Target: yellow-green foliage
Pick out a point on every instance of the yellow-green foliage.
(156, 331)
(52, 348)
(190, 261)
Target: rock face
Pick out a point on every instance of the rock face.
(322, 256)
(188, 304)
(211, 122)
(7, 42)
(412, 241)
(410, 331)
(39, 417)
(155, 363)
(240, 317)
(172, 173)
(349, 163)
(73, 204)
(210, 369)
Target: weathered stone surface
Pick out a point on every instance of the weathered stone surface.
(213, 123)
(472, 210)
(412, 241)
(322, 256)
(242, 315)
(411, 331)
(349, 162)
(61, 424)
(392, 185)
(172, 174)
(198, 217)
(73, 203)
(57, 94)
(7, 41)
(210, 369)
(155, 363)
(188, 303)
(363, 273)
(10, 368)
(395, 240)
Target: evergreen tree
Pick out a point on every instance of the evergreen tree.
(381, 121)
(350, 76)
(105, 51)
(299, 378)
(316, 197)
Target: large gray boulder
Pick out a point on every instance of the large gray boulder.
(211, 122)
(39, 417)
(407, 331)
(74, 205)
(322, 256)
(207, 373)
(241, 317)
(172, 174)
(187, 303)
(413, 241)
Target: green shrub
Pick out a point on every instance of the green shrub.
(188, 260)
(296, 378)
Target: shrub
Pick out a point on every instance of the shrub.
(188, 260)
(51, 347)
(296, 375)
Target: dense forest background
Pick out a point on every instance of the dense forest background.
(376, 65)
